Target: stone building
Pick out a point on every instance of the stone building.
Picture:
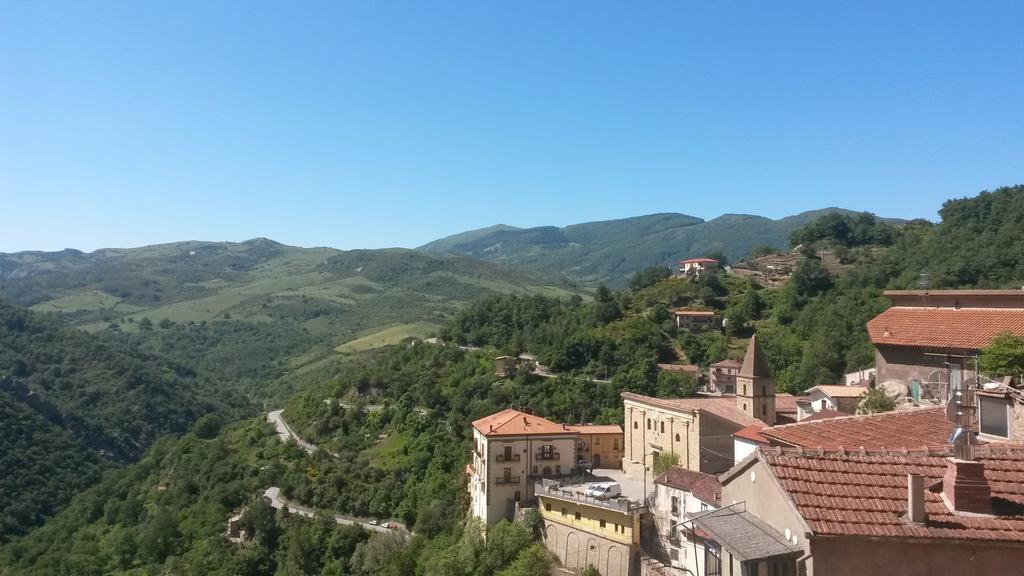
(695, 319)
(722, 376)
(699, 429)
(584, 531)
(679, 494)
(511, 449)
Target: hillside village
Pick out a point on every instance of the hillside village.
(743, 479)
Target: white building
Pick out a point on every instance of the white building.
(511, 450)
(679, 495)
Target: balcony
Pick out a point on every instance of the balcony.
(548, 456)
(507, 480)
(507, 458)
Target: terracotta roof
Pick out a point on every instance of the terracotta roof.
(963, 328)
(721, 406)
(755, 364)
(840, 391)
(753, 433)
(596, 428)
(700, 313)
(698, 260)
(688, 368)
(865, 494)
(825, 415)
(919, 428)
(953, 293)
(703, 486)
(515, 423)
(726, 364)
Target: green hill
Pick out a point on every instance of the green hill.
(611, 251)
(333, 295)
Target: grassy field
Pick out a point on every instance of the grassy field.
(389, 336)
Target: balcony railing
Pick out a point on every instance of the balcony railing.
(578, 494)
(548, 456)
(508, 458)
(507, 480)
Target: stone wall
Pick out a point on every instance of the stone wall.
(577, 549)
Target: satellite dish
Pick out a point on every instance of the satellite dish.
(953, 412)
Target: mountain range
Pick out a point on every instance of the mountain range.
(611, 251)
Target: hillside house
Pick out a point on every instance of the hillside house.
(885, 512)
(843, 399)
(929, 340)
(510, 450)
(722, 376)
(695, 319)
(694, 267)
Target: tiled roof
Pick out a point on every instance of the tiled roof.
(840, 391)
(700, 313)
(515, 423)
(753, 433)
(824, 415)
(963, 328)
(722, 406)
(865, 494)
(913, 429)
(744, 535)
(703, 486)
(695, 260)
(755, 364)
(726, 364)
(596, 428)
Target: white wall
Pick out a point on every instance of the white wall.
(742, 448)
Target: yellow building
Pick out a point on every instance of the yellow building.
(583, 531)
(600, 445)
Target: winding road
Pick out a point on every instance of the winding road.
(273, 494)
(284, 431)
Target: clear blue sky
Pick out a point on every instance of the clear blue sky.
(377, 124)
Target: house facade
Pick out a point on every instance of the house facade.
(902, 512)
(698, 266)
(722, 376)
(928, 342)
(600, 445)
(695, 319)
(511, 449)
(838, 398)
(679, 494)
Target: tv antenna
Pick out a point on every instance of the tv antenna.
(962, 411)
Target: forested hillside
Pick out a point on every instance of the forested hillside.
(611, 252)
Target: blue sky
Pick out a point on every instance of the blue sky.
(378, 124)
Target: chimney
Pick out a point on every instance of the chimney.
(915, 499)
(964, 487)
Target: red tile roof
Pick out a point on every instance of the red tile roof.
(963, 328)
(825, 415)
(865, 494)
(913, 429)
(698, 260)
(726, 364)
(703, 486)
(722, 406)
(698, 313)
(515, 423)
(688, 368)
(753, 433)
(596, 428)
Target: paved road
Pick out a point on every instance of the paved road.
(273, 494)
(284, 431)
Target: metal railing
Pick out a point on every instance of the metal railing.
(548, 456)
(577, 493)
(507, 480)
(511, 458)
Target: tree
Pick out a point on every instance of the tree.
(532, 561)
(649, 277)
(590, 570)
(875, 401)
(1004, 356)
(160, 538)
(665, 460)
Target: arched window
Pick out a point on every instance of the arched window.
(635, 425)
(677, 437)
(648, 423)
(744, 406)
(662, 427)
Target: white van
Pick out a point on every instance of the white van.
(605, 490)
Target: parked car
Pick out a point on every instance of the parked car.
(606, 490)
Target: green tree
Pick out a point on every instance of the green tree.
(665, 460)
(1004, 356)
(875, 401)
(532, 561)
(649, 277)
